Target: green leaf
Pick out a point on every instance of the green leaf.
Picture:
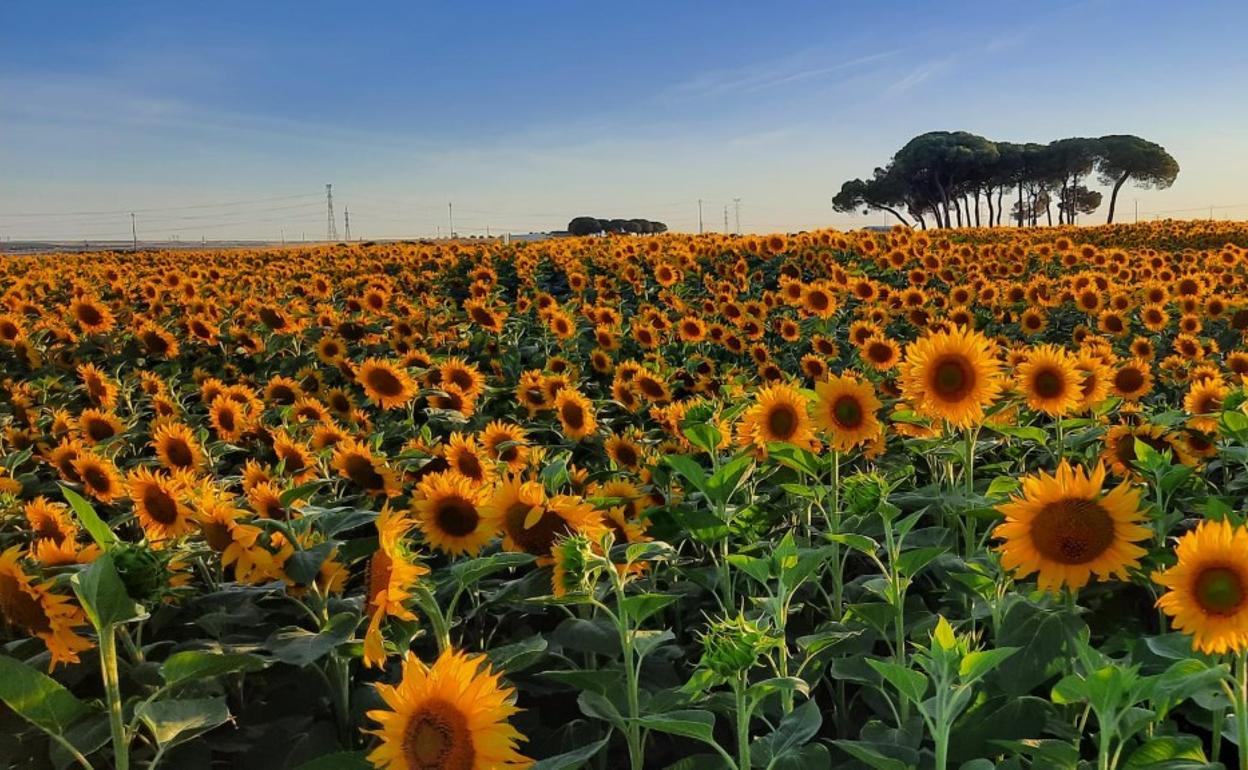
(175, 721)
(759, 569)
(103, 596)
(299, 647)
(199, 664)
(800, 460)
(91, 521)
(873, 754)
(38, 698)
(642, 606)
(1166, 749)
(857, 542)
(912, 562)
(339, 760)
(518, 656)
(911, 684)
(599, 706)
(303, 566)
(795, 729)
(1070, 689)
(977, 664)
(996, 719)
(1002, 486)
(572, 759)
(704, 435)
(1172, 646)
(691, 723)
(725, 481)
(1025, 432)
(688, 469)
(472, 571)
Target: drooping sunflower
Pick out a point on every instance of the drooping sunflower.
(177, 447)
(1208, 596)
(55, 534)
(1118, 451)
(38, 611)
(1049, 380)
(624, 451)
(451, 513)
(98, 425)
(452, 714)
(576, 414)
(1065, 529)
(385, 383)
(846, 410)
(160, 503)
(779, 413)
(952, 375)
(1204, 402)
(391, 574)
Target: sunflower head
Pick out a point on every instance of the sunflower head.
(1208, 587)
(952, 375)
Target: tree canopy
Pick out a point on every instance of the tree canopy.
(595, 225)
(945, 174)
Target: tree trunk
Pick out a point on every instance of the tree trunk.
(1113, 197)
(957, 210)
(944, 197)
(1020, 203)
(1048, 211)
(1000, 205)
(900, 218)
(975, 193)
(988, 199)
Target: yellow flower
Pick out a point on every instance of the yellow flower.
(952, 376)
(1208, 596)
(846, 410)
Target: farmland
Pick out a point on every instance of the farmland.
(958, 498)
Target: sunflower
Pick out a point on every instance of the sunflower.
(456, 371)
(391, 573)
(160, 503)
(55, 534)
(385, 383)
(576, 414)
(846, 410)
(1208, 596)
(1119, 446)
(1065, 529)
(296, 459)
(1204, 402)
(63, 456)
(468, 458)
(1095, 383)
(451, 513)
(779, 413)
(34, 608)
(177, 447)
(1049, 380)
(952, 375)
(229, 418)
(505, 443)
(237, 542)
(532, 522)
(98, 425)
(100, 477)
(1133, 379)
(452, 714)
(93, 316)
(624, 451)
(355, 462)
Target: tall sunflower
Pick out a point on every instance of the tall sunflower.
(1208, 596)
(452, 714)
(1049, 380)
(35, 609)
(451, 513)
(780, 413)
(846, 409)
(952, 375)
(1065, 529)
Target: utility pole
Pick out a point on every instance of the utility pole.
(736, 206)
(699, 216)
(1137, 210)
(725, 219)
(283, 236)
(346, 220)
(134, 234)
(450, 217)
(331, 229)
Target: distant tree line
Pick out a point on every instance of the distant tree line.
(594, 226)
(944, 175)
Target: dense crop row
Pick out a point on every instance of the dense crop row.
(822, 500)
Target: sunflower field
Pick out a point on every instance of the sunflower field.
(962, 499)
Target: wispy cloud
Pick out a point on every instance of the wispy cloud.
(920, 74)
(772, 74)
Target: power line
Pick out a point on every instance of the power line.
(331, 228)
(346, 219)
(154, 210)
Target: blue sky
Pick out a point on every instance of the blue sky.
(226, 119)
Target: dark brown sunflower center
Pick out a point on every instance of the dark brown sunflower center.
(97, 479)
(573, 415)
(89, 315)
(456, 516)
(538, 538)
(18, 608)
(1073, 531)
(1219, 590)
(469, 464)
(848, 412)
(361, 471)
(384, 382)
(626, 455)
(99, 430)
(952, 378)
(160, 505)
(179, 453)
(782, 422)
(1129, 380)
(1049, 383)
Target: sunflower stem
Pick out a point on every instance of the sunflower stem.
(1241, 707)
(743, 721)
(112, 691)
(969, 475)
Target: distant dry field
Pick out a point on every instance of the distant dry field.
(958, 498)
